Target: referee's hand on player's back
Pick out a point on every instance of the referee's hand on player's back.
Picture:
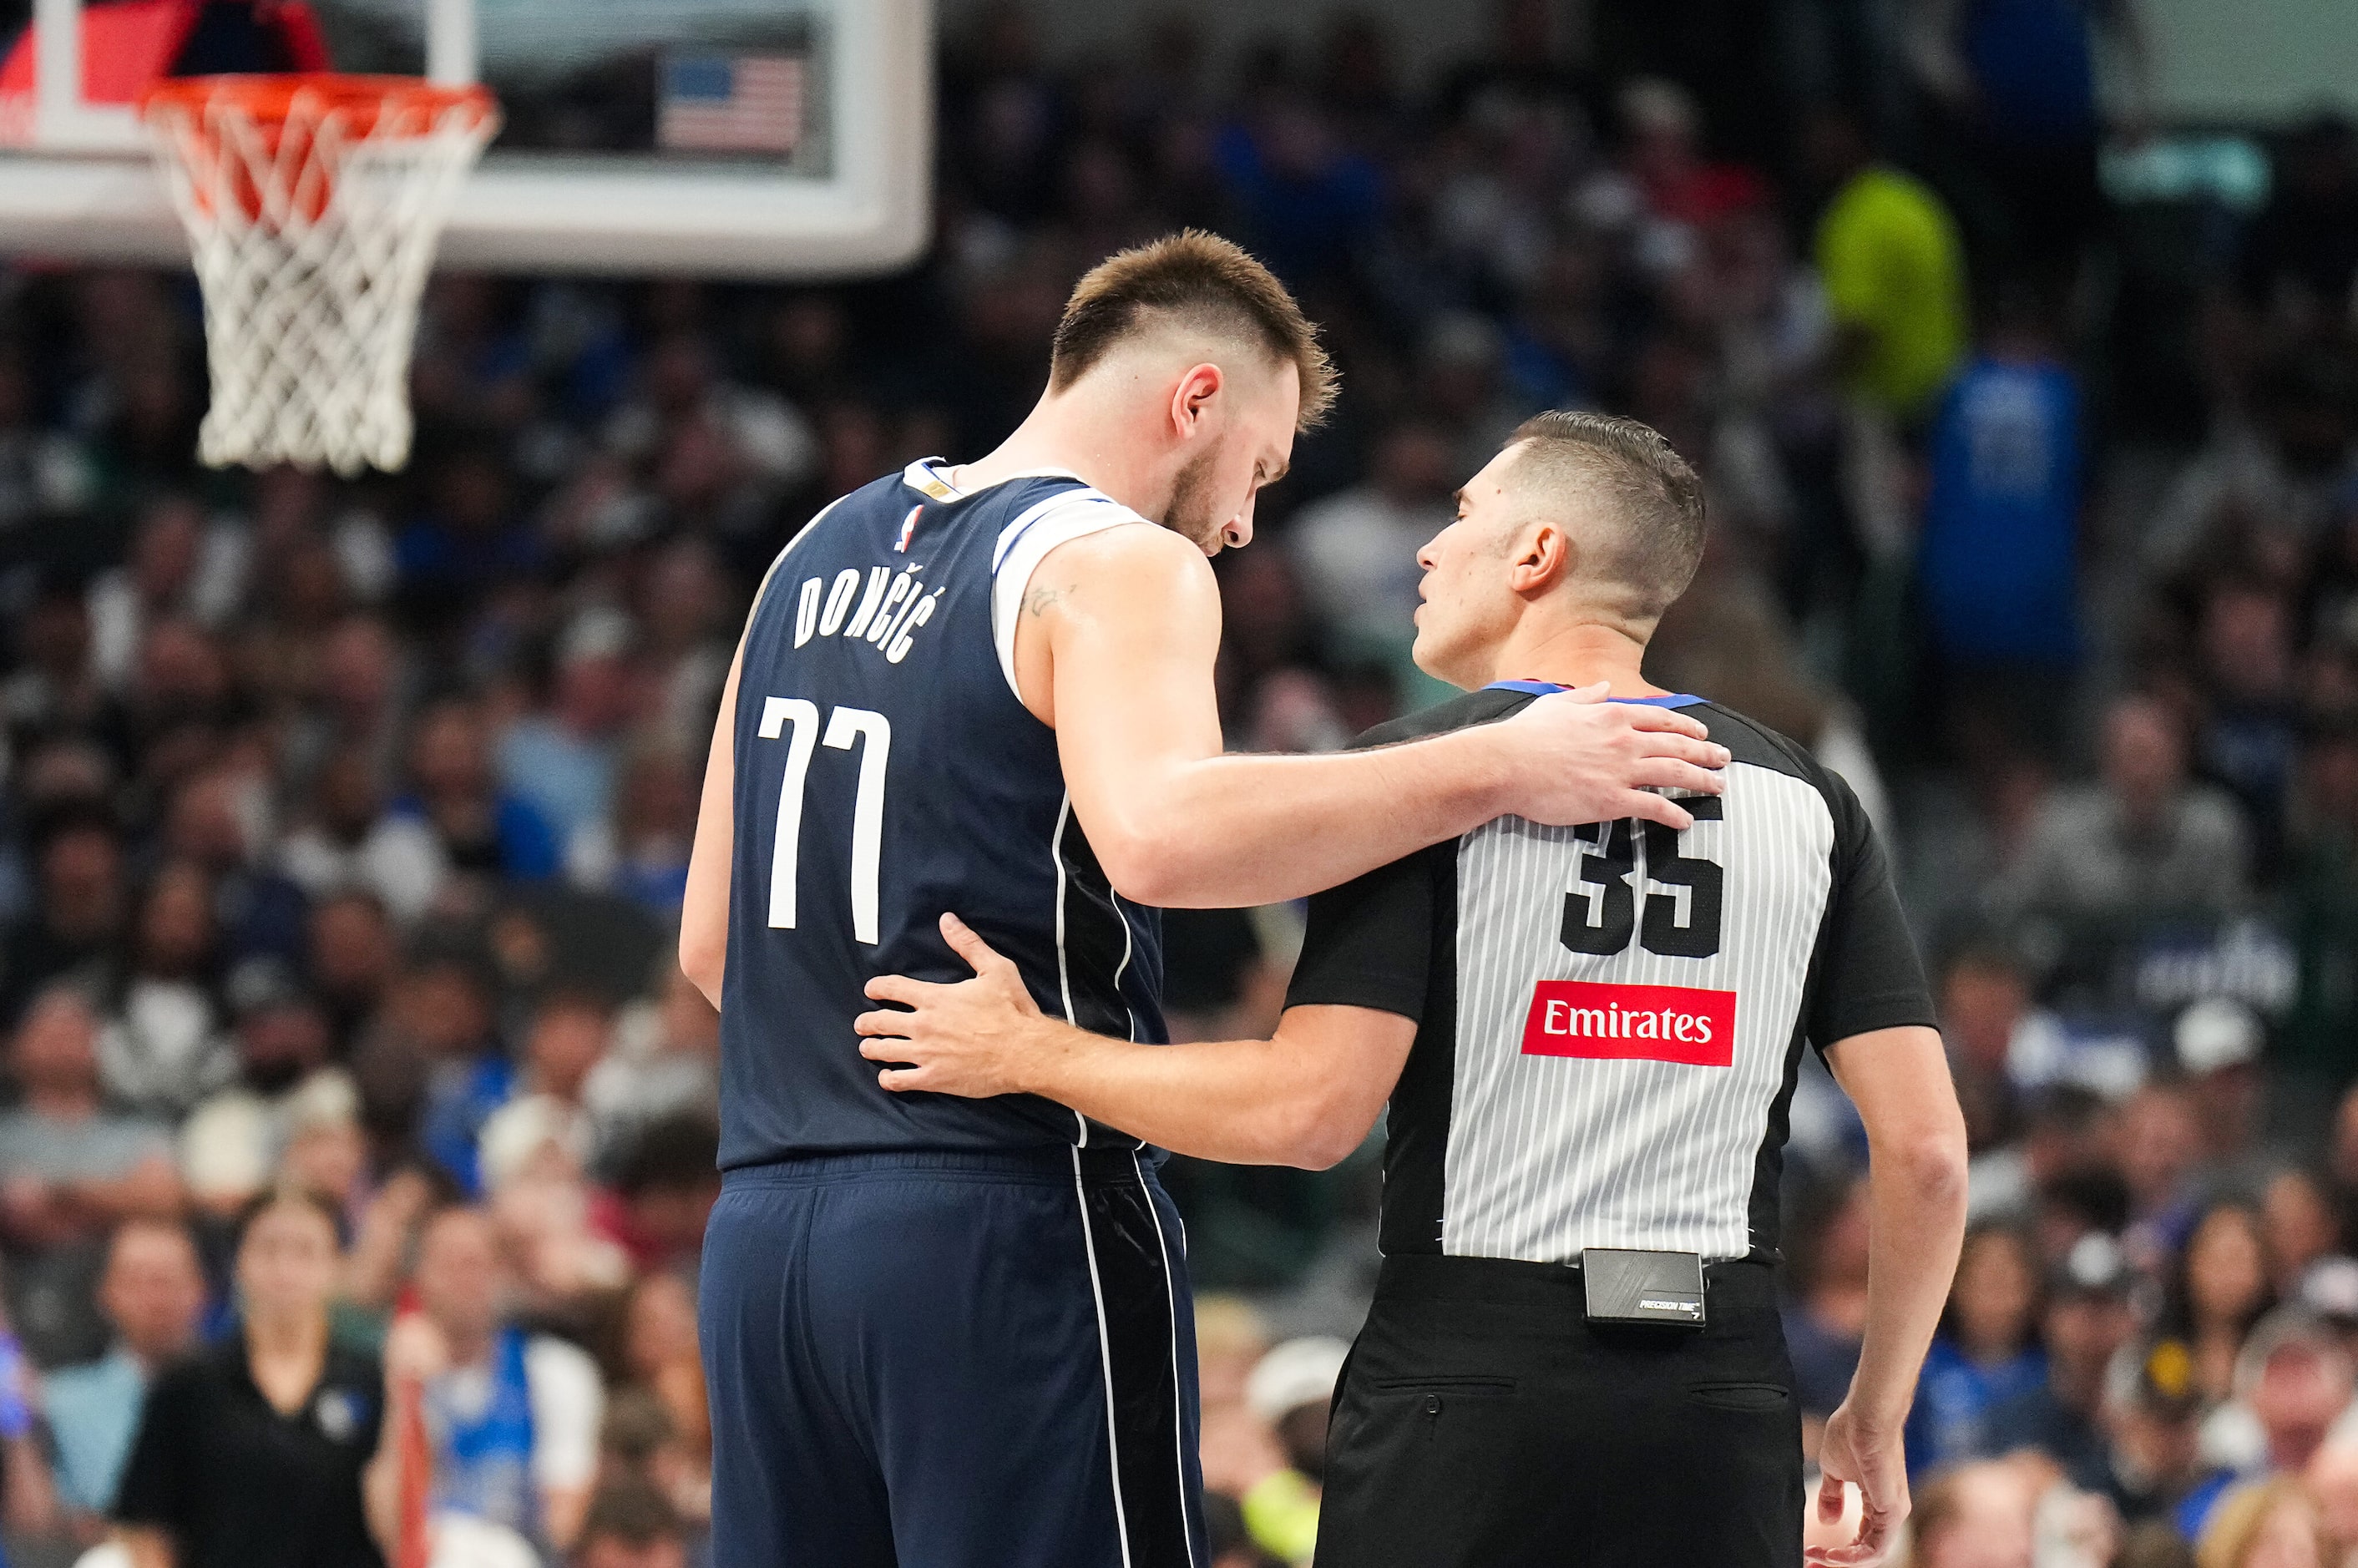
(1573, 758)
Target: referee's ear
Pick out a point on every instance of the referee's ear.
(1540, 556)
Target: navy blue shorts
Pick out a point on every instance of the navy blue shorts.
(950, 1360)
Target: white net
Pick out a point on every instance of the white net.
(313, 214)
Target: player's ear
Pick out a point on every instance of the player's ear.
(1191, 399)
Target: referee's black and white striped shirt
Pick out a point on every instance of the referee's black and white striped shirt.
(1610, 1017)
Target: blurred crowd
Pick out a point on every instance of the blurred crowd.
(343, 825)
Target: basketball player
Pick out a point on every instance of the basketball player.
(1588, 1037)
(952, 1332)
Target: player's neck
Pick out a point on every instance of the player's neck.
(1081, 435)
(1577, 653)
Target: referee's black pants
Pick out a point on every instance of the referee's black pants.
(1482, 1421)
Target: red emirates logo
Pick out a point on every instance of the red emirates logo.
(1631, 1023)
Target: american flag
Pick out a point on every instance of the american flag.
(731, 103)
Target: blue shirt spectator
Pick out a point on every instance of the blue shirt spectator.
(1307, 204)
(466, 542)
(2089, 1318)
(567, 779)
(444, 1017)
(94, 1411)
(479, 826)
(1985, 1355)
(520, 844)
(153, 1293)
(2034, 64)
(1999, 557)
(564, 760)
(462, 1099)
(1957, 1397)
(514, 1416)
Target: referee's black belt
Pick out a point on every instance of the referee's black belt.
(1507, 1281)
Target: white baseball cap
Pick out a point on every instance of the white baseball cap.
(2216, 1032)
(1297, 1373)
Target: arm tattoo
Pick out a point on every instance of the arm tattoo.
(1036, 601)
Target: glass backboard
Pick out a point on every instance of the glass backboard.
(749, 137)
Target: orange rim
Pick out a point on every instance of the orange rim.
(301, 119)
(273, 98)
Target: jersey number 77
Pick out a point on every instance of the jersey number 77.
(845, 727)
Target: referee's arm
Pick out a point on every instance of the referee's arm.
(1306, 1097)
(1870, 1016)
(1899, 1080)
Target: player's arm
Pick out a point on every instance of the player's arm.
(1305, 1097)
(704, 908)
(1115, 648)
(1899, 1080)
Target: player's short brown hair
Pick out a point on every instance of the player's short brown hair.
(1205, 282)
(1639, 482)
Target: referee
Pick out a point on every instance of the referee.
(1589, 1038)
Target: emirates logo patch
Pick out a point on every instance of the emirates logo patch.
(1631, 1023)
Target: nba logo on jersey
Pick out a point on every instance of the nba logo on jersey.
(908, 526)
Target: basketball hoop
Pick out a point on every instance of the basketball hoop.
(313, 203)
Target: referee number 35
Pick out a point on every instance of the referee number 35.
(1681, 919)
(845, 727)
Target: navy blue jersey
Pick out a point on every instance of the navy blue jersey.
(887, 774)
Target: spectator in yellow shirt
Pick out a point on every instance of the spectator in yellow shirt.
(1291, 1389)
(1894, 273)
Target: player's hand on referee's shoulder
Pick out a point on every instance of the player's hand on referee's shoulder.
(972, 1038)
(1577, 758)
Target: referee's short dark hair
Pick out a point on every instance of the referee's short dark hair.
(1643, 484)
(1201, 281)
